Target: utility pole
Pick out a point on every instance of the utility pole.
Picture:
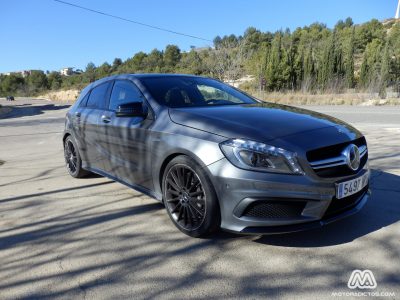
(397, 11)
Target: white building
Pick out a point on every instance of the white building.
(67, 71)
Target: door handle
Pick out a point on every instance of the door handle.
(105, 119)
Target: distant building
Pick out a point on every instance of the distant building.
(67, 71)
(200, 49)
(24, 72)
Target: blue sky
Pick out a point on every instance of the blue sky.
(43, 34)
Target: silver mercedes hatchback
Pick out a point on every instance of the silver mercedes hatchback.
(215, 156)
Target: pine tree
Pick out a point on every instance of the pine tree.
(328, 65)
(384, 76)
(275, 56)
(291, 64)
(364, 71)
(371, 66)
(309, 70)
(349, 62)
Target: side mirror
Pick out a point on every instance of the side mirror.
(132, 109)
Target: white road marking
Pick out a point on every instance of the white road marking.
(393, 129)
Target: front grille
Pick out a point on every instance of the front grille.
(339, 205)
(274, 209)
(339, 171)
(332, 152)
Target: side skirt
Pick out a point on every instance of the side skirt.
(138, 188)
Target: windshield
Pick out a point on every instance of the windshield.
(184, 91)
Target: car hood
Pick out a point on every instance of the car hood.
(261, 122)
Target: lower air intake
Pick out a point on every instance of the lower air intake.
(274, 209)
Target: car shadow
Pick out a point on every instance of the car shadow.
(92, 176)
(24, 110)
(382, 210)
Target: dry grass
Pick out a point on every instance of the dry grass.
(61, 95)
(350, 98)
(293, 98)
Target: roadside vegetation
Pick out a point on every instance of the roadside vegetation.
(308, 63)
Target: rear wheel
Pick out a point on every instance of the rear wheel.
(189, 198)
(72, 159)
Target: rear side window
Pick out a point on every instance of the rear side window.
(124, 92)
(83, 102)
(97, 97)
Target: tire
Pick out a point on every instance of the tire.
(190, 198)
(73, 160)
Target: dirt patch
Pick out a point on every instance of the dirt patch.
(65, 96)
(2, 162)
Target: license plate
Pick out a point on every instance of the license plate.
(351, 187)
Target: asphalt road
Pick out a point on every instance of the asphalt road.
(92, 238)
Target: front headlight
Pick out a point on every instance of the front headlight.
(256, 156)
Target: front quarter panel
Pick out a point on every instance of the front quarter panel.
(170, 139)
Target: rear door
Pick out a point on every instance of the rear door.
(88, 117)
(126, 140)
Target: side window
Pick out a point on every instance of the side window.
(83, 102)
(97, 97)
(123, 92)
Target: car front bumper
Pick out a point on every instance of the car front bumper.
(267, 203)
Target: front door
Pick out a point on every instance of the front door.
(126, 140)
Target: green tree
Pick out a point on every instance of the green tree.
(331, 71)
(11, 84)
(394, 43)
(217, 42)
(349, 61)
(367, 32)
(37, 81)
(191, 63)
(172, 56)
(309, 70)
(384, 72)
(327, 69)
(292, 63)
(54, 80)
(154, 61)
(370, 67)
(116, 63)
(90, 72)
(138, 62)
(272, 71)
(103, 71)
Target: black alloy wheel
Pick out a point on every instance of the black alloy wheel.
(72, 159)
(189, 198)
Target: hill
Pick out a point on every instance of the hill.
(312, 59)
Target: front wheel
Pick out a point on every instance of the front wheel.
(189, 198)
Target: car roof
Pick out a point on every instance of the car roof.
(142, 75)
(155, 75)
